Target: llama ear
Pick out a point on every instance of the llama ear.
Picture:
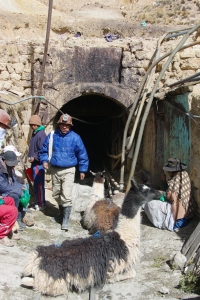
(134, 183)
(94, 174)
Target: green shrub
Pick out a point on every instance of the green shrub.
(190, 283)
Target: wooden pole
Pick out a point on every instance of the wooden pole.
(39, 91)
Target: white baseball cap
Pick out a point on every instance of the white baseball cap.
(12, 148)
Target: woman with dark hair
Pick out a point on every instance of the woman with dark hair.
(175, 209)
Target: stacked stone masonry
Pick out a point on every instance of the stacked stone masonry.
(77, 66)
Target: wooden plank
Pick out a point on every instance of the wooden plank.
(193, 248)
(191, 240)
(197, 260)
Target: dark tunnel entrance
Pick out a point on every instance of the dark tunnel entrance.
(102, 131)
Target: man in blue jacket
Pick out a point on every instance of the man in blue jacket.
(63, 150)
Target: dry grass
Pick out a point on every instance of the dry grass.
(170, 12)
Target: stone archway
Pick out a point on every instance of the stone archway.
(65, 94)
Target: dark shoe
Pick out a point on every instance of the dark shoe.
(59, 218)
(22, 225)
(66, 214)
(13, 236)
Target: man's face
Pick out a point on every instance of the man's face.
(171, 174)
(64, 128)
(9, 167)
(34, 127)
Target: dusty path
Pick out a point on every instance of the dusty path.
(156, 246)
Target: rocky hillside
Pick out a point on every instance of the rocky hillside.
(27, 19)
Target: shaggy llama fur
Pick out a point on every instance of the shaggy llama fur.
(89, 262)
(96, 194)
(100, 214)
(106, 216)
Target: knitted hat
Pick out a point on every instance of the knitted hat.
(35, 120)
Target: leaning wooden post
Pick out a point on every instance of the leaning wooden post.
(41, 80)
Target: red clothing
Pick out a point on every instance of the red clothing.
(8, 216)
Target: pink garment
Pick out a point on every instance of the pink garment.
(8, 216)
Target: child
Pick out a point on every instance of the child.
(36, 142)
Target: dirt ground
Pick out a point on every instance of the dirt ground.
(153, 269)
(27, 19)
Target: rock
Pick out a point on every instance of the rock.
(178, 261)
(28, 219)
(163, 290)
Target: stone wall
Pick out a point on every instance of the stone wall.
(80, 66)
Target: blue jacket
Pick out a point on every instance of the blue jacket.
(9, 184)
(68, 151)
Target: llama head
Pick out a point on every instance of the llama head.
(138, 195)
(99, 177)
(146, 193)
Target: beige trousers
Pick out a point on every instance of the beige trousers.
(62, 184)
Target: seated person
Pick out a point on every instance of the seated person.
(10, 184)
(8, 217)
(176, 208)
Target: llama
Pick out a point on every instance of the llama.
(96, 194)
(84, 263)
(101, 214)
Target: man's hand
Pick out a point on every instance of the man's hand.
(45, 165)
(23, 189)
(82, 176)
(25, 181)
(31, 159)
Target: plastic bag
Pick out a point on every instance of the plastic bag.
(162, 198)
(25, 198)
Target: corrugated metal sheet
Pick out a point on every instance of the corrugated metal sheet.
(177, 129)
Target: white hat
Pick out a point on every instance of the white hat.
(12, 148)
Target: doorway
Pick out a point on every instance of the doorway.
(100, 122)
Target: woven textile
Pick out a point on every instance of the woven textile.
(181, 185)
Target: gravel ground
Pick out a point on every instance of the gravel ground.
(153, 270)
